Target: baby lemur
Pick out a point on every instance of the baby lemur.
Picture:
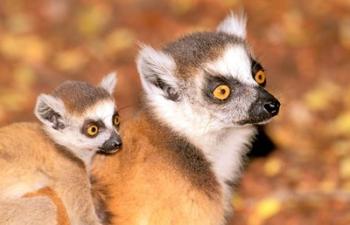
(77, 120)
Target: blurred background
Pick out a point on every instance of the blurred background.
(305, 47)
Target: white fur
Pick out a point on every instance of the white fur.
(234, 24)
(103, 110)
(234, 62)
(109, 82)
(224, 147)
(21, 188)
(151, 62)
(46, 102)
(80, 145)
(223, 144)
(225, 151)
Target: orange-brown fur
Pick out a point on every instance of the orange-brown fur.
(62, 217)
(30, 161)
(149, 185)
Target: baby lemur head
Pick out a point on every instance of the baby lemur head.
(81, 117)
(207, 81)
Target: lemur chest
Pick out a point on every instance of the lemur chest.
(225, 152)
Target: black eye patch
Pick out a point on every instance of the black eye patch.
(258, 68)
(212, 82)
(88, 122)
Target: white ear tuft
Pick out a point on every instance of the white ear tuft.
(109, 82)
(234, 24)
(50, 111)
(154, 66)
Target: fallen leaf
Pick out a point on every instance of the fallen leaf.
(344, 168)
(341, 125)
(264, 210)
(320, 97)
(24, 77)
(70, 60)
(118, 40)
(272, 166)
(92, 19)
(28, 48)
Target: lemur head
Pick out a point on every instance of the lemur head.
(207, 81)
(81, 117)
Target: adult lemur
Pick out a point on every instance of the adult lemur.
(203, 94)
(77, 120)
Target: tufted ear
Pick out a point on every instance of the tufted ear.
(109, 82)
(234, 24)
(50, 111)
(156, 70)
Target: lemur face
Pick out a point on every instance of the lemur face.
(95, 130)
(81, 117)
(231, 88)
(209, 80)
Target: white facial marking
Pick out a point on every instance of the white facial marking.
(80, 145)
(104, 111)
(234, 62)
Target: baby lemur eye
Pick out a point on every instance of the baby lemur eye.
(116, 121)
(222, 92)
(92, 130)
(260, 77)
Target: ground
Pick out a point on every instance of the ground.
(305, 47)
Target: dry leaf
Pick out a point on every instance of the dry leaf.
(344, 168)
(264, 210)
(272, 166)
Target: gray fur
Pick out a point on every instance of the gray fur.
(78, 96)
(192, 51)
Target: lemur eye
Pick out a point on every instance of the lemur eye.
(222, 92)
(92, 130)
(260, 77)
(116, 120)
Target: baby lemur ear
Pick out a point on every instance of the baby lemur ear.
(50, 111)
(234, 24)
(109, 82)
(156, 70)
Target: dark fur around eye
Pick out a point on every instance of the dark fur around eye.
(256, 66)
(90, 122)
(214, 81)
(116, 115)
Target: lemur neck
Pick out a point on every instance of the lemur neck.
(223, 148)
(83, 156)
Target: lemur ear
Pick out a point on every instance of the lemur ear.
(109, 82)
(234, 24)
(50, 111)
(156, 70)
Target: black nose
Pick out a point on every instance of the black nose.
(112, 144)
(272, 107)
(116, 144)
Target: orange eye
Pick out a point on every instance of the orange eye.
(116, 120)
(260, 77)
(92, 130)
(222, 92)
